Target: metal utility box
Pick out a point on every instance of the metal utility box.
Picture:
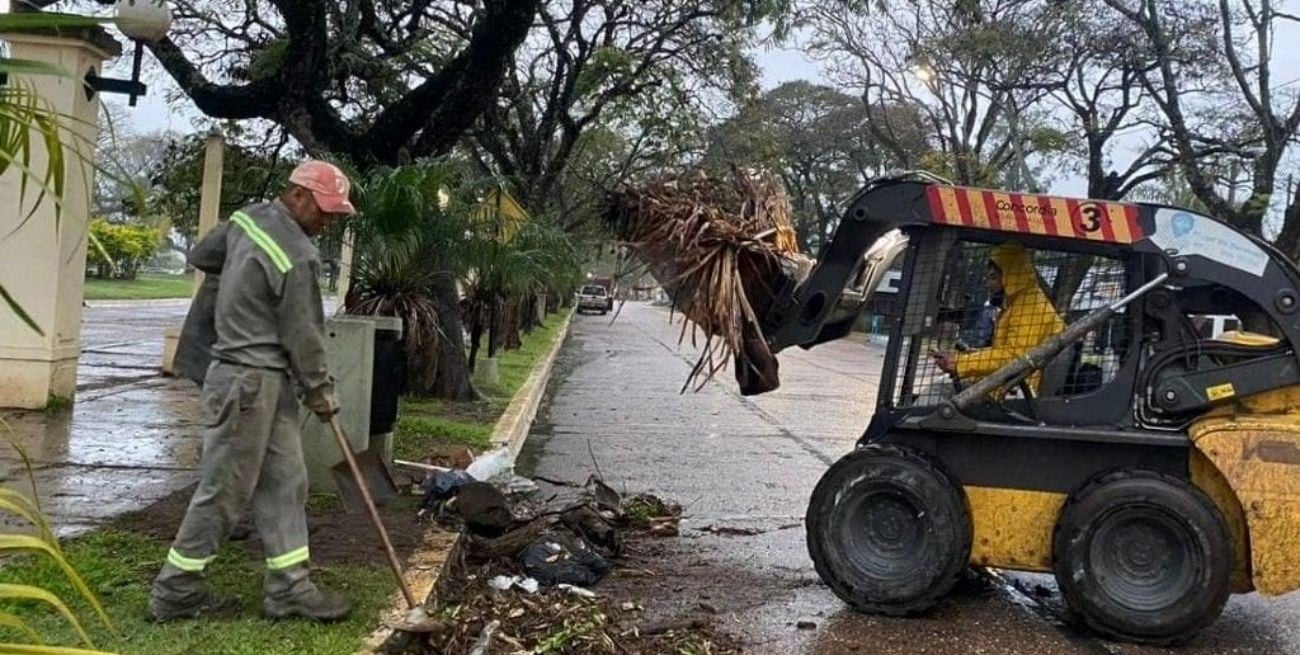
(350, 355)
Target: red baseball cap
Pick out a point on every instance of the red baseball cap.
(328, 185)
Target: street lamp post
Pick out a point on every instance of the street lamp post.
(141, 21)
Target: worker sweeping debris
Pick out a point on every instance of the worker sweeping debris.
(266, 331)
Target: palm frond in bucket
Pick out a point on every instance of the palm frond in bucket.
(721, 248)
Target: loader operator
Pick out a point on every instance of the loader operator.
(1026, 320)
(268, 328)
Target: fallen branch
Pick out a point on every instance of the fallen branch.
(721, 249)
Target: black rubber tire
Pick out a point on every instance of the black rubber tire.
(1143, 557)
(888, 530)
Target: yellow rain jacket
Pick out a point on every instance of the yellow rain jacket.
(1027, 318)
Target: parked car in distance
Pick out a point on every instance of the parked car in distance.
(593, 297)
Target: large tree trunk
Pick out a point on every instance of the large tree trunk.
(452, 381)
(475, 337)
(494, 326)
(510, 337)
(530, 317)
(1288, 240)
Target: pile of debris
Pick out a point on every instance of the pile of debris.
(722, 249)
(520, 577)
(483, 620)
(568, 537)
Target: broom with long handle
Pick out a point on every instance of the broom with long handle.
(416, 620)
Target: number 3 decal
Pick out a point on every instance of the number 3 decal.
(1089, 218)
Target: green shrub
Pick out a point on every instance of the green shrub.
(126, 246)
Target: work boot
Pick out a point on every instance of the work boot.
(178, 594)
(315, 603)
(206, 605)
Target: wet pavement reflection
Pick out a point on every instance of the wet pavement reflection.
(132, 436)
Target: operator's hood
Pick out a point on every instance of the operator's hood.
(1017, 267)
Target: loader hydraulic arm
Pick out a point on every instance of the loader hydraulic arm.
(824, 306)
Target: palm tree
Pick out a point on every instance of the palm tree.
(406, 241)
(511, 259)
(422, 222)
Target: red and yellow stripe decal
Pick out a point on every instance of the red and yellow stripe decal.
(1093, 220)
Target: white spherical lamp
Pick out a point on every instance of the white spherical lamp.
(144, 20)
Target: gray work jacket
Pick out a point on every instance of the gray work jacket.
(267, 310)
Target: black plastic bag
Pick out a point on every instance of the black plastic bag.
(558, 559)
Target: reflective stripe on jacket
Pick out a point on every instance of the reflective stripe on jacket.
(268, 310)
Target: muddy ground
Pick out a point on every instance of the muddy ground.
(337, 537)
(613, 616)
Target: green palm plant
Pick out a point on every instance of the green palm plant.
(405, 235)
(40, 544)
(430, 218)
(510, 262)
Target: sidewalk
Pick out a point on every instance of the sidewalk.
(131, 438)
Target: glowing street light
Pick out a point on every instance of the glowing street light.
(926, 74)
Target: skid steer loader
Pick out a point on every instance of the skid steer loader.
(1096, 432)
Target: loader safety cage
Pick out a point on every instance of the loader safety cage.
(1188, 245)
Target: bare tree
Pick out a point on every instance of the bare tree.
(644, 69)
(1249, 122)
(1098, 80)
(964, 65)
(817, 139)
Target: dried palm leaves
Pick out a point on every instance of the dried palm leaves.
(720, 248)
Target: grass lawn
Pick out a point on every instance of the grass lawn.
(425, 424)
(144, 287)
(119, 565)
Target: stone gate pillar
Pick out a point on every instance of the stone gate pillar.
(43, 258)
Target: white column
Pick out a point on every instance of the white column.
(345, 271)
(43, 261)
(214, 157)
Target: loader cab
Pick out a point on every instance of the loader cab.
(948, 305)
(1117, 377)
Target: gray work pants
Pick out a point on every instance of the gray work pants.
(252, 450)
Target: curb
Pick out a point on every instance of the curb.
(512, 428)
(425, 566)
(123, 302)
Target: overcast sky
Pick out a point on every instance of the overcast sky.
(778, 65)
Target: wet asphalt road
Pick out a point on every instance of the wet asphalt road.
(751, 463)
(132, 437)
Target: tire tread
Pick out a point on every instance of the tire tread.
(936, 591)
